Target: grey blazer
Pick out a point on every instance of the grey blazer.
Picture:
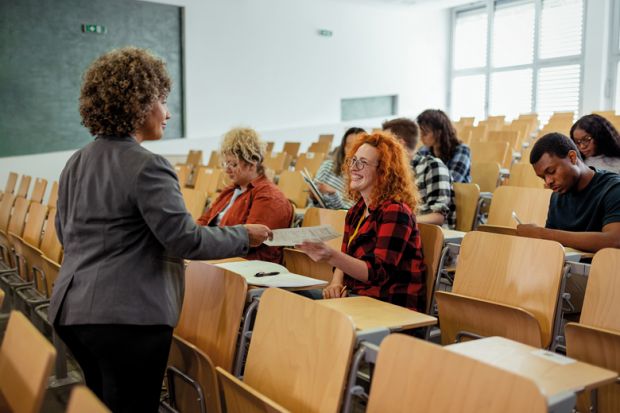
(125, 230)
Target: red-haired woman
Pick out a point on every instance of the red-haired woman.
(381, 253)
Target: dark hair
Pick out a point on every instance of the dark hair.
(605, 136)
(404, 129)
(437, 122)
(554, 144)
(341, 152)
(119, 89)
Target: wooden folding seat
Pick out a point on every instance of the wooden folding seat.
(53, 197)
(596, 338)
(530, 204)
(24, 186)
(184, 172)
(504, 286)
(16, 224)
(194, 158)
(10, 184)
(523, 174)
(412, 375)
(82, 400)
(320, 147)
(467, 201)
(191, 379)
(38, 191)
(195, 201)
(432, 244)
(512, 137)
(214, 160)
(293, 186)
(277, 162)
(26, 359)
(310, 161)
(327, 138)
(292, 149)
(486, 175)
(499, 152)
(208, 180)
(298, 358)
(269, 147)
(496, 123)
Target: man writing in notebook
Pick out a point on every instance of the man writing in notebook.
(584, 211)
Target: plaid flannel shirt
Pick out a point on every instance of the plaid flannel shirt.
(459, 165)
(388, 241)
(432, 178)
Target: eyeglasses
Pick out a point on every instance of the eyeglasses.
(583, 141)
(358, 164)
(229, 164)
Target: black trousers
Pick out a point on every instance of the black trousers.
(124, 365)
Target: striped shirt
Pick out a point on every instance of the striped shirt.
(326, 175)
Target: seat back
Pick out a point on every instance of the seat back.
(310, 161)
(277, 162)
(207, 180)
(319, 147)
(183, 173)
(241, 398)
(485, 175)
(530, 204)
(432, 243)
(514, 271)
(83, 400)
(195, 201)
(18, 217)
(499, 152)
(34, 225)
(452, 382)
(308, 346)
(293, 186)
(26, 359)
(50, 270)
(6, 208)
(512, 137)
(212, 310)
(194, 158)
(11, 181)
(601, 304)
(466, 197)
(523, 174)
(24, 186)
(195, 364)
(292, 149)
(328, 137)
(38, 191)
(298, 262)
(50, 244)
(53, 198)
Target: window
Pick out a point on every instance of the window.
(533, 52)
(615, 55)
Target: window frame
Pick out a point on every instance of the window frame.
(613, 80)
(537, 63)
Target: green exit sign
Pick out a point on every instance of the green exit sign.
(325, 33)
(94, 28)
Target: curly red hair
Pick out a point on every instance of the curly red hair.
(394, 175)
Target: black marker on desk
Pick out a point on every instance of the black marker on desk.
(266, 274)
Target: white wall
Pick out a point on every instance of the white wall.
(262, 64)
(596, 55)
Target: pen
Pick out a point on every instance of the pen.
(344, 290)
(265, 274)
(516, 218)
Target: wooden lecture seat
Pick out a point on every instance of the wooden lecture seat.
(530, 204)
(466, 198)
(83, 400)
(486, 175)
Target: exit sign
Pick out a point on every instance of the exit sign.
(94, 28)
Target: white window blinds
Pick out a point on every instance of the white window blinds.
(468, 96)
(511, 93)
(558, 90)
(513, 34)
(561, 28)
(470, 39)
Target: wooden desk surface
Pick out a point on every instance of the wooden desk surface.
(552, 372)
(368, 313)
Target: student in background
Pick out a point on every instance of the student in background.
(252, 198)
(584, 211)
(598, 141)
(125, 231)
(381, 254)
(329, 178)
(432, 177)
(440, 140)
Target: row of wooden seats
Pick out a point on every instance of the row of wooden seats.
(26, 359)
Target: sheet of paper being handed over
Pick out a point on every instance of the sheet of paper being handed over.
(293, 236)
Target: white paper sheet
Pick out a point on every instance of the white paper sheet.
(285, 279)
(293, 236)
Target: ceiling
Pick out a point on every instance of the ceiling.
(428, 4)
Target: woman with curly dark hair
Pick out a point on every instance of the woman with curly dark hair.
(440, 140)
(598, 141)
(125, 232)
(381, 254)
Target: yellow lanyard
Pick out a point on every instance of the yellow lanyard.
(359, 223)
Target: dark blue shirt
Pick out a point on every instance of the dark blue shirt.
(590, 209)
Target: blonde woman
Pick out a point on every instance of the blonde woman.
(252, 198)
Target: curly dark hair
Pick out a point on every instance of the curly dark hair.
(437, 122)
(119, 89)
(605, 136)
(555, 144)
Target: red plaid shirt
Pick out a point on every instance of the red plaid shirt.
(388, 240)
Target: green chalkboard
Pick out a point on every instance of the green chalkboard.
(43, 53)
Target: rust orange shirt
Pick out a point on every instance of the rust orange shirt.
(261, 203)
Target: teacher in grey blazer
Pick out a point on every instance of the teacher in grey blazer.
(125, 231)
